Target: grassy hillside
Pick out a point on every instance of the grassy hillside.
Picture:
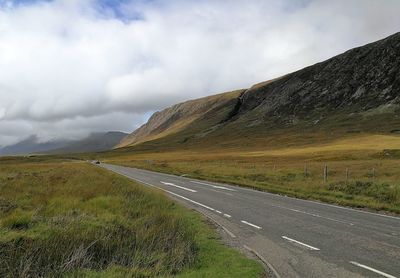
(178, 117)
(60, 217)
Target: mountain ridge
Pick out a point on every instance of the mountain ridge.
(357, 91)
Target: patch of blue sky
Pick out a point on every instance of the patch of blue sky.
(124, 10)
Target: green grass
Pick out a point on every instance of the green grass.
(69, 218)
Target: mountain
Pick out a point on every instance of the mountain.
(355, 92)
(94, 142)
(177, 117)
(32, 145)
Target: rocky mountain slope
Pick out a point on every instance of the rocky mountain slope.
(355, 92)
(361, 79)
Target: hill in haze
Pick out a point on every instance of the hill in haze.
(355, 92)
(32, 145)
(94, 142)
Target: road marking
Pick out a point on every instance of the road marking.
(181, 187)
(177, 195)
(268, 193)
(232, 235)
(250, 224)
(315, 202)
(214, 186)
(190, 200)
(170, 192)
(373, 270)
(301, 243)
(314, 214)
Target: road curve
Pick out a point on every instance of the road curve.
(297, 238)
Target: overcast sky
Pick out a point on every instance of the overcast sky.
(71, 67)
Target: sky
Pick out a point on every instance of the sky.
(72, 67)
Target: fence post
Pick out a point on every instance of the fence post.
(326, 173)
(373, 173)
(305, 170)
(347, 175)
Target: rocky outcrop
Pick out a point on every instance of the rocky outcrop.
(361, 79)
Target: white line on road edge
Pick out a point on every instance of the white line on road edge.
(301, 243)
(247, 223)
(232, 235)
(215, 186)
(105, 165)
(181, 187)
(170, 192)
(373, 270)
(190, 200)
(218, 211)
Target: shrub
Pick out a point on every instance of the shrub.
(381, 192)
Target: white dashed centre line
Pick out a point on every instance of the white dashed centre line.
(214, 186)
(373, 270)
(300, 243)
(178, 186)
(250, 224)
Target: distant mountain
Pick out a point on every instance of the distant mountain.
(355, 92)
(94, 142)
(32, 145)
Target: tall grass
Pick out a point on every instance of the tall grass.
(57, 219)
(61, 218)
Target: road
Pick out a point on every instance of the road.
(296, 238)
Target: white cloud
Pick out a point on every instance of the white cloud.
(68, 67)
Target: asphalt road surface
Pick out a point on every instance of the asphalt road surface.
(296, 238)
